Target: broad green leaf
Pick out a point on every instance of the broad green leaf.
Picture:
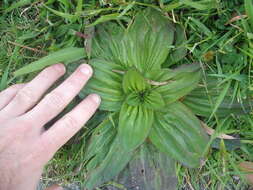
(134, 125)
(150, 99)
(177, 132)
(134, 82)
(64, 55)
(160, 74)
(179, 51)
(112, 164)
(165, 74)
(109, 44)
(106, 83)
(202, 100)
(100, 141)
(133, 99)
(97, 119)
(148, 40)
(149, 169)
(180, 85)
(153, 100)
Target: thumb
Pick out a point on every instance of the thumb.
(54, 187)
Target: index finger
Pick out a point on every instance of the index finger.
(68, 126)
(54, 102)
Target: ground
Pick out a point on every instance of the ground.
(219, 36)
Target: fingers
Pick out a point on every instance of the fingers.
(7, 95)
(53, 103)
(69, 125)
(28, 96)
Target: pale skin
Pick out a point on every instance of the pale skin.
(25, 146)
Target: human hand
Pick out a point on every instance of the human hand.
(25, 146)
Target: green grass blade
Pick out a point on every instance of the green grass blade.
(79, 6)
(170, 7)
(18, 4)
(248, 53)
(220, 99)
(105, 18)
(68, 16)
(64, 55)
(201, 27)
(202, 5)
(4, 79)
(249, 11)
(127, 8)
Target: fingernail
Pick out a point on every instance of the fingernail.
(96, 98)
(60, 67)
(86, 69)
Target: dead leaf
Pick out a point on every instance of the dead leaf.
(211, 131)
(236, 18)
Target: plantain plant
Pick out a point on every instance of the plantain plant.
(146, 101)
(151, 108)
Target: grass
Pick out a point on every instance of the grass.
(219, 36)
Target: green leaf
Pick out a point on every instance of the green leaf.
(145, 45)
(100, 141)
(70, 17)
(148, 40)
(127, 8)
(111, 165)
(134, 125)
(171, 6)
(180, 51)
(249, 11)
(160, 74)
(134, 82)
(165, 74)
(150, 169)
(133, 99)
(153, 100)
(202, 100)
(16, 5)
(4, 78)
(201, 27)
(106, 83)
(65, 55)
(201, 5)
(79, 6)
(230, 144)
(220, 99)
(150, 99)
(181, 84)
(106, 18)
(177, 132)
(108, 44)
